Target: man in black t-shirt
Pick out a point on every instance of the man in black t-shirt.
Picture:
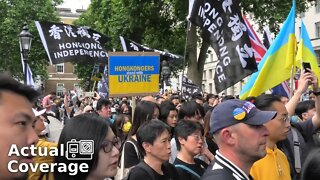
(154, 140)
(189, 140)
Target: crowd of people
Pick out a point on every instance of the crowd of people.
(163, 137)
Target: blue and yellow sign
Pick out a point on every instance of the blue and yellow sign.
(134, 73)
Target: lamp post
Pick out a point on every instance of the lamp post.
(25, 38)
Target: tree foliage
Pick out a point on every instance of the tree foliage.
(162, 24)
(13, 14)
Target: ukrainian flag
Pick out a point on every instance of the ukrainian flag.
(276, 65)
(306, 52)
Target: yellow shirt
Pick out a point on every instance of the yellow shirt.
(273, 166)
(47, 159)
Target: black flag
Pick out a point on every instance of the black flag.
(129, 45)
(267, 40)
(188, 87)
(224, 29)
(64, 42)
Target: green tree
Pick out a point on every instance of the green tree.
(13, 14)
(162, 24)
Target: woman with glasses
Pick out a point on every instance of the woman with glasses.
(98, 148)
(190, 141)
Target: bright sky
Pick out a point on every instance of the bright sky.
(75, 4)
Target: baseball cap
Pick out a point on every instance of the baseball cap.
(235, 111)
(38, 113)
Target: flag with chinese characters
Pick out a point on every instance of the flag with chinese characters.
(188, 87)
(224, 29)
(129, 45)
(65, 43)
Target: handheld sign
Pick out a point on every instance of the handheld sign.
(133, 73)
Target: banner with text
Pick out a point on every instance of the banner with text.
(64, 42)
(133, 73)
(224, 29)
(188, 87)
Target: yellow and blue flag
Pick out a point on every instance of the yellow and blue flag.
(306, 53)
(276, 65)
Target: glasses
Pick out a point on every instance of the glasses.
(197, 137)
(108, 145)
(284, 119)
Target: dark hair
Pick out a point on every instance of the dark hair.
(189, 109)
(142, 113)
(184, 129)
(172, 97)
(150, 131)
(311, 168)
(227, 97)
(165, 108)
(103, 102)
(209, 96)
(264, 101)
(118, 124)
(82, 127)
(303, 107)
(7, 83)
(206, 124)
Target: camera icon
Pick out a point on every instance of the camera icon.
(80, 150)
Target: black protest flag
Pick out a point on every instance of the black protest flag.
(267, 40)
(224, 29)
(129, 45)
(188, 87)
(65, 43)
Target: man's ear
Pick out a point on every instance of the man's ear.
(226, 136)
(181, 140)
(147, 147)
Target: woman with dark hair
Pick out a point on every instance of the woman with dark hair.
(144, 112)
(169, 114)
(102, 144)
(311, 168)
(122, 126)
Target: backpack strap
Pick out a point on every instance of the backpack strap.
(296, 149)
(187, 169)
(147, 169)
(135, 147)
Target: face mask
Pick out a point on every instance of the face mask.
(126, 127)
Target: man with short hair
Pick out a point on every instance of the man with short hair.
(154, 140)
(239, 131)
(104, 108)
(189, 139)
(16, 125)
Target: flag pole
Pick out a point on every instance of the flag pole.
(184, 56)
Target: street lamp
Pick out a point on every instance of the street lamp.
(25, 38)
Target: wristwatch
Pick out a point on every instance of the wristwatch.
(316, 93)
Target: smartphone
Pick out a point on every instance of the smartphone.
(306, 66)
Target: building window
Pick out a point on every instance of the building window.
(210, 87)
(211, 57)
(317, 29)
(318, 55)
(204, 75)
(60, 87)
(60, 68)
(210, 73)
(74, 68)
(203, 88)
(318, 6)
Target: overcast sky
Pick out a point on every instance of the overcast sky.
(75, 4)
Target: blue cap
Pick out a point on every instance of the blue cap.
(235, 111)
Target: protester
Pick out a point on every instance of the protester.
(189, 139)
(144, 112)
(104, 109)
(212, 101)
(105, 148)
(212, 146)
(169, 114)
(238, 129)
(43, 143)
(16, 124)
(300, 139)
(47, 101)
(154, 140)
(279, 127)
